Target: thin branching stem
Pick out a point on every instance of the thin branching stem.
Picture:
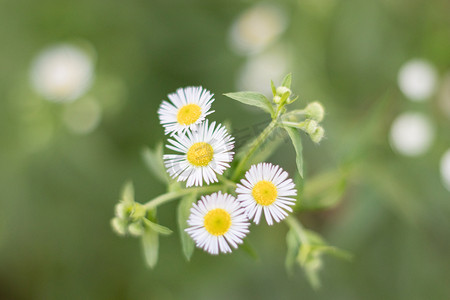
(253, 147)
(175, 195)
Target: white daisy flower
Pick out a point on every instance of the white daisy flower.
(205, 152)
(217, 222)
(266, 188)
(187, 108)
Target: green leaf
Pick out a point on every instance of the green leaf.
(150, 244)
(334, 251)
(249, 249)
(299, 185)
(293, 246)
(274, 89)
(287, 81)
(297, 142)
(183, 212)
(128, 192)
(252, 98)
(157, 227)
(153, 159)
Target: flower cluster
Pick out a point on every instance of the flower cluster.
(221, 192)
(204, 150)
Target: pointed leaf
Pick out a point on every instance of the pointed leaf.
(274, 89)
(294, 134)
(252, 98)
(128, 192)
(334, 251)
(153, 159)
(183, 212)
(287, 81)
(150, 244)
(157, 227)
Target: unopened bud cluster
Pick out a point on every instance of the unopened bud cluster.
(129, 218)
(282, 95)
(312, 115)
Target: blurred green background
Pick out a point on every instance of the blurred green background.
(59, 183)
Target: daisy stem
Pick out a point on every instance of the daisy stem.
(175, 195)
(298, 228)
(227, 181)
(255, 145)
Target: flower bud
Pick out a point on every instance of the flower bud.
(119, 226)
(317, 135)
(138, 211)
(136, 229)
(310, 126)
(276, 99)
(281, 90)
(315, 111)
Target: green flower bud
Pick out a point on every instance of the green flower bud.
(136, 229)
(317, 135)
(281, 90)
(315, 111)
(138, 211)
(310, 126)
(276, 99)
(119, 226)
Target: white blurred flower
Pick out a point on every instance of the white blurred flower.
(256, 74)
(411, 134)
(445, 169)
(62, 73)
(417, 79)
(256, 28)
(83, 116)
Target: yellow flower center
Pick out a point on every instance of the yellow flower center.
(264, 192)
(217, 221)
(189, 114)
(200, 154)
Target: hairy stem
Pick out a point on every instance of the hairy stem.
(175, 195)
(255, 145)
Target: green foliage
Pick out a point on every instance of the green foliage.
(157, 227)
(287, 80)
(153, 160)
(253, 99)
(128, 192)
(150, 245)
(183, 212)
(306, 248)
(297, 142)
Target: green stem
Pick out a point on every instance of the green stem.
(300, 125)
(174, 195)
(298, 228)
(227, 181)
(255, 145)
